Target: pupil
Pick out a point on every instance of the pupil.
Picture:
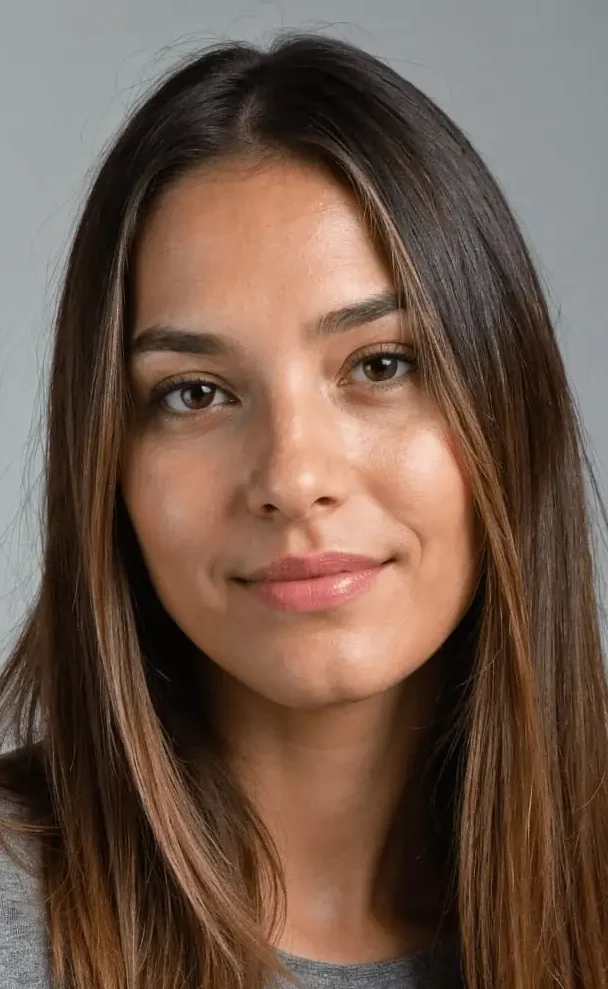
(384, 362)
(198, 393)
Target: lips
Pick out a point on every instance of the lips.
(308, 567)
(314, 583)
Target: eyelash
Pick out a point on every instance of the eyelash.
(161, 391)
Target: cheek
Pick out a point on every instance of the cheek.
(431, 494)
(171, 500)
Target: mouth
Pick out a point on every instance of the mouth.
(319, 592)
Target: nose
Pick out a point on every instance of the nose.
(299, 466)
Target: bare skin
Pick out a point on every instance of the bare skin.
(295, 450)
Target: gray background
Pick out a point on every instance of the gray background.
(526, 79)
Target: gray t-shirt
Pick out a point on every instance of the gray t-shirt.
(436, 968)
(24, 945)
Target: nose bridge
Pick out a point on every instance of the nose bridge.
(296, 415)
(295, 457)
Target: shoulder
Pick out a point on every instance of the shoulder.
(19, 854)
(23, 938)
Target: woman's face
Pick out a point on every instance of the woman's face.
(281, 430)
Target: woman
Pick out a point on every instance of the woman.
(313, 684)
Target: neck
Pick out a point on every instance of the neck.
(337, 790)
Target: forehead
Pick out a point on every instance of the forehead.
(275, 229)
(278, 195)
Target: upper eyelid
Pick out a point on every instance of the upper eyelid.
(165, 388)
(406, 349)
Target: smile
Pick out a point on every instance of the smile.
(314, 593)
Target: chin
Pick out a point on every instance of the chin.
(305, 693)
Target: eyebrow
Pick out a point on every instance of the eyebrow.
(165, 337)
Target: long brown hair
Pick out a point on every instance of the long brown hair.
(152, 858)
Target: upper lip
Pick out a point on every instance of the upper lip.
(318, 565)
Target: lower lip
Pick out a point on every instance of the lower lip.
(314, 594)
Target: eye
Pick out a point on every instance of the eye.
(188, 395)
(385, 365)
